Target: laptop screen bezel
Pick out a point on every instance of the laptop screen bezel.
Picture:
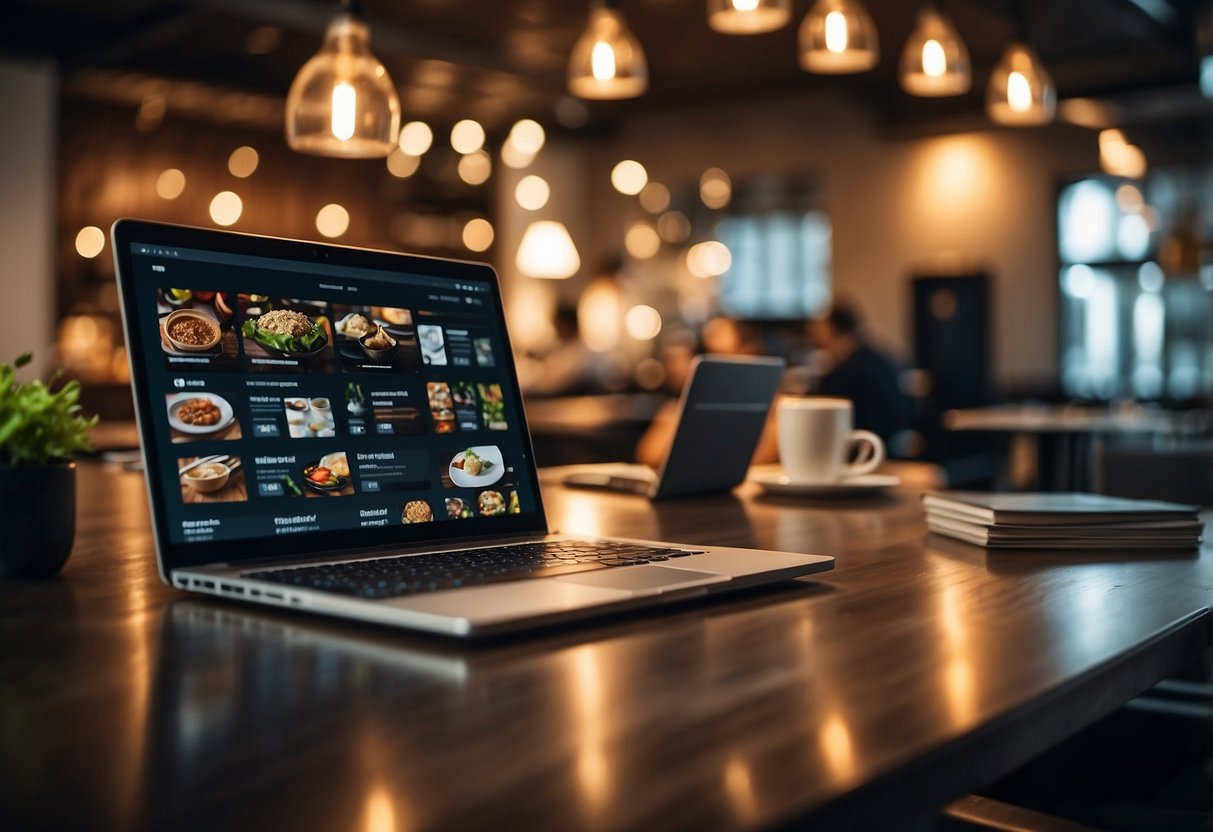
(259, 550)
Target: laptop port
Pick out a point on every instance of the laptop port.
(277, 596)
(209, 584)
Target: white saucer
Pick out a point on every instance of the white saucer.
(773, 480)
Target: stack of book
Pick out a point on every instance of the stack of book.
(1062, 521)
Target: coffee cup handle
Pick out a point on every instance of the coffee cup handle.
(868, 465)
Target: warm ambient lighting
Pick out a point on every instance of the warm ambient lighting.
(332, 220)
(475, 168)
(607, 61)
(935, 61)
(748, 17)
(715, 188)
(402, 165)
(243, 162)
(1119, 158)
(709, 259)
(547, 251)
(655, 197)
(170, 183)
(90, 241)
(642, 241)
(226, 208)
(1020, 92)
(467, 136)
(527, 136)
(342, 103)
(532, 193)
(416, 138)
(629, 177)
(642, 322)
(512, 157)
(478, 234)
(838, 37)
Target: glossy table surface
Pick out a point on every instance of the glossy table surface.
(918, 669)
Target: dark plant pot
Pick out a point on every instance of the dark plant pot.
(37, 519)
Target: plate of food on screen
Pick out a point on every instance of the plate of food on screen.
(286, 332)
(491, 503)
(199, 413)
(476, 466)
(330, 475)
(417, 511)
(458, 509)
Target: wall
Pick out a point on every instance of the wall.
(27, 212)
(897, 206)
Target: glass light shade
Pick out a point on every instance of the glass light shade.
(748, 17)
(1020, 92)
(607, 61)
(935, 61)
(547, 250)
(342, 102)
(838, 37)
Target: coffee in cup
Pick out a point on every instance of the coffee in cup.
(816, 440)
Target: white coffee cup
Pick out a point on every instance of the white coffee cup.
(816, 438)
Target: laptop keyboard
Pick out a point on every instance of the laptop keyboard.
(413, 574)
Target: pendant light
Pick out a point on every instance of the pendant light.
(1020, 92)
(838, 37)
(547, 250)
(607, 61)
(748, 17)
(935, 61)
(342, 103)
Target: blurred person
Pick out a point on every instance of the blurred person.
(856, 370)
(568, 367)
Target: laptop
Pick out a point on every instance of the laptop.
(341, 431)
(724, 397)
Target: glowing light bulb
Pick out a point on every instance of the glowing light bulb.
(745, 5)
(934, 61)
(602, 61)
(345, 102)
(1019, 93)
(836, 32)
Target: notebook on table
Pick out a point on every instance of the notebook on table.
(1062, 521)
(341, 431)
(721, 414)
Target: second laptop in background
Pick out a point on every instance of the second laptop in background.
(720, 419)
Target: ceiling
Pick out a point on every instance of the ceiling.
(498, 61)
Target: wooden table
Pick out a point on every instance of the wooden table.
(917, 670)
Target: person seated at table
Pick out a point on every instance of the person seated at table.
(856, 370)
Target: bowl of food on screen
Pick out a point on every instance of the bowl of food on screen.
(191, 331)
(378, 344)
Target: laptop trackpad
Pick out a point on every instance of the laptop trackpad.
(644, 580)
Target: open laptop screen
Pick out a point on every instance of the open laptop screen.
(300, 398)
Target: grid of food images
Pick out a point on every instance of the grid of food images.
(281, 355)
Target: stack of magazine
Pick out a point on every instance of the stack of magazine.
(1062, 521)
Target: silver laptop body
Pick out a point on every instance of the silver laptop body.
(303, 407)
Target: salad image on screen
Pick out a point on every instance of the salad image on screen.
(492, 406)
(284, 334)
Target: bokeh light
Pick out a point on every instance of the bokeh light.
(226, 208)
(629, 177)
(532, 192)
(332, 220)
(90, 241)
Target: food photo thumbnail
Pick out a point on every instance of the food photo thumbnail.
(218, 478)
(376, 338)
(197, 329)
(285, 334)
(201, 416)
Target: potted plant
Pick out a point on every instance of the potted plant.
(41, 430)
